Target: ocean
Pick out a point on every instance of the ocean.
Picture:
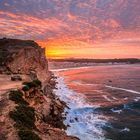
(104, 101)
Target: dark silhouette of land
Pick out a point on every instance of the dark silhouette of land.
(116, 60)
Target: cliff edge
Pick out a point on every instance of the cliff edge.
(29, 109)
(24, 56)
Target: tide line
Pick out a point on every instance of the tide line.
(73, 68)
(123, 89)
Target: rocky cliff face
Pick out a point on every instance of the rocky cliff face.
(38, 111)
(24, 56)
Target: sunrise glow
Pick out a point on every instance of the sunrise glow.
(81, 29)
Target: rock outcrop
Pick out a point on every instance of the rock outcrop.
(24, 56)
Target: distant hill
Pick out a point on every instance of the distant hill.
(75, 60)
(72, 63)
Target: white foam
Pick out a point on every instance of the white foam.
(73, 68)
(107, 98)
(84, 84)
(125, 129)
(114, 98)
(116, 111)
(126, 98)
(84, 123)
(112, 87)
(137, 99)
(98, 91)
(76, 100)
(123, 89)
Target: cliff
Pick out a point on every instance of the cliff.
(29, 108)
(24, 56)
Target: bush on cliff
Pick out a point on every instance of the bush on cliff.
(28, 135)
(25, 88)
(29, 84)
(37, 82)
(24, 116)
(34, 83)
(17, 97)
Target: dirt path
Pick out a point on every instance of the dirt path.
(6, 124)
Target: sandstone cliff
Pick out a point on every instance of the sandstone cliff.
(23, 55)
(30, 110)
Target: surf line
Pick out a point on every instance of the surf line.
(123, 89)
(72, 68)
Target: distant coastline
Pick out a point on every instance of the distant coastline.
(74, 63)
(83, 60)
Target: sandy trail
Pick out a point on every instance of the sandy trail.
(6, 106)
(6, 85)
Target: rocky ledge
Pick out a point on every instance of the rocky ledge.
(22, 56)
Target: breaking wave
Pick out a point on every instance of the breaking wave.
(82, 119)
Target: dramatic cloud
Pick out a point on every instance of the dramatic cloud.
(67, 26)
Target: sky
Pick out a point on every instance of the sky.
(75, 28)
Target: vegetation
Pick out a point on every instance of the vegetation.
(25, 88)
(24, 116)
(34, 83)
(37, 82)
(17, 97)
(55, 121)
(30, 84)
(28, 135)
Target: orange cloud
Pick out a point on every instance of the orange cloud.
(110, 49)
(71, 28)
(24, 24)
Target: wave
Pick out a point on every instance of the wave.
(73, 68)
(117, 117)
(108, 86)
(82, 119)
(123, 89)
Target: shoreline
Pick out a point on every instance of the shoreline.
(57, 108)
(90, 66)
(49, 92)
(119, 100)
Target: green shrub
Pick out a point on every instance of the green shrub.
(55, 122)
(25, 88)
(37, 82)
(30, 84)
(24, 115)
(34, 83)
(17, 97)
(28, 135)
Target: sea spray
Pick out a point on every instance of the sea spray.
(82, 119)
(117, 114)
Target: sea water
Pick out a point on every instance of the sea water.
(104, 101)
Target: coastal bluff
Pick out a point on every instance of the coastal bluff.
(29, 108)
(24, 56)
